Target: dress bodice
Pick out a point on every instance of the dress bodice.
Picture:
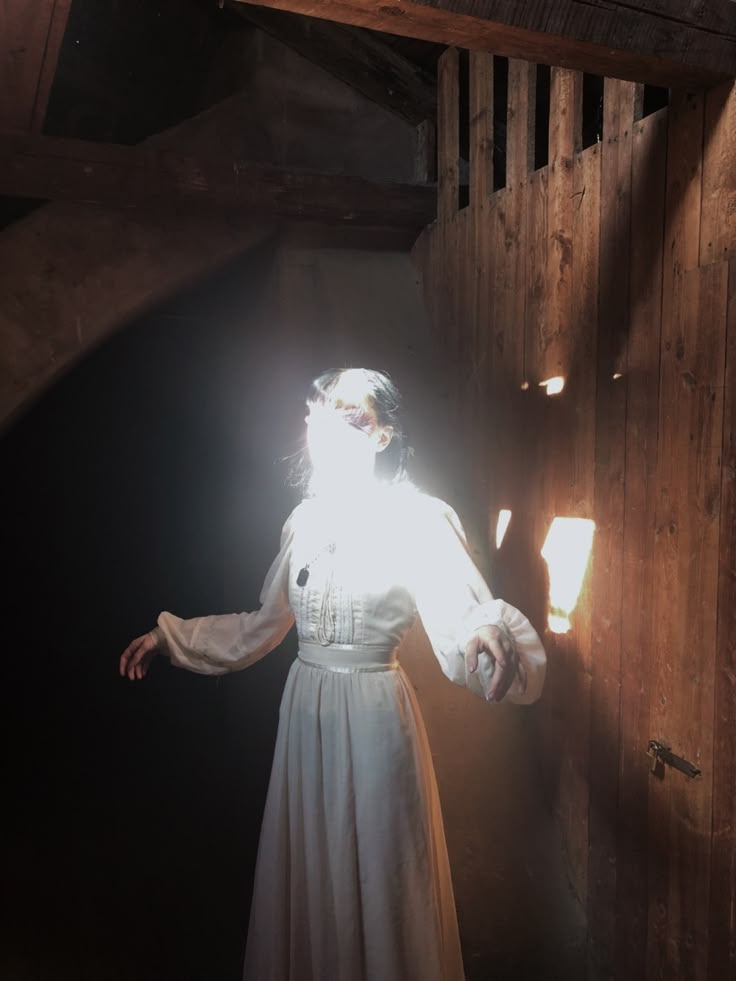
(358, 584)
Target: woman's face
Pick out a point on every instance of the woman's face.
(343, 439)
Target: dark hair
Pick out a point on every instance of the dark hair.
(383, 395)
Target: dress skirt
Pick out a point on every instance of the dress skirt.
(352, 879)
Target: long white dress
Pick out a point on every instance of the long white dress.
(352, 879)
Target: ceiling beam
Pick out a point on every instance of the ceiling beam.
(673, 43)
(355, 56)
(31, 32)
(141, 176)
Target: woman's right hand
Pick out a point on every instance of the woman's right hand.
(137, 656)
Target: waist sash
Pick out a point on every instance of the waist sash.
(348, 658)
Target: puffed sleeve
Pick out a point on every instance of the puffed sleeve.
(232, 641)
(453, 600)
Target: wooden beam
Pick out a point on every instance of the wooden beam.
(77, 170)
(31, 32)
(674, 43)
(355, 56)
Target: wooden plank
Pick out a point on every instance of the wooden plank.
(618, 119)
(637, 642)
(520, 117)
(31, 32)
(357, 57)
(480, 109)
(448, 133)
(500, 496)
(582, 375)
(718, 222)
(680, 252)
(574, 493)
(565, 138)
(560, 415)
(686, 559)
(77, 170)
(677, 45)
(722, 940)
(481, 128)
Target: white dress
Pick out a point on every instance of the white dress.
(352, 880)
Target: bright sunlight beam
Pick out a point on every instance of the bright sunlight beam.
(566, 551)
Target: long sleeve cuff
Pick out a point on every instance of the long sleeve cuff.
(527, 644)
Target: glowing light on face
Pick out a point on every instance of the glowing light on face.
(504, 519)
(566, 551)
(342, 442)
(553, 385)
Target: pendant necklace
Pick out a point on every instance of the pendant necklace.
(303, 576)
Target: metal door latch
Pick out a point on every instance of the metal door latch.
(661, 754)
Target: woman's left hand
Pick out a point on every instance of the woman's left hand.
(495, 643)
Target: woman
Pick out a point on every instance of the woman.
(352, 880)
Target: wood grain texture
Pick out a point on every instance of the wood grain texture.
(722, 940)
(649, 156)
(686, 556)
(565, 138)
(607, 582)
(481, 128)
(448, 133)
(92, 173)
(520, 118)
(641, 441)
(680, 253)
(31, 32)
(718, 216)
(669, 46)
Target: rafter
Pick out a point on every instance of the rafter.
(77, 170)
(674, 43)
(355, 56)
(31, 32)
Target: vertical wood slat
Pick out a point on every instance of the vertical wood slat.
(565, 137)
(481, 127)
(680, 252)
(520, 116)
(481, 186)
(722, 940)
(581, 410)
(520, 120)
(648, 179)
(448, 132)
(585, 269)
(686, 555)
(718, 216)
(624, 711)
(536, 306)
(615, 218)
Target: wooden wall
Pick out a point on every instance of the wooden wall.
(613, 266)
